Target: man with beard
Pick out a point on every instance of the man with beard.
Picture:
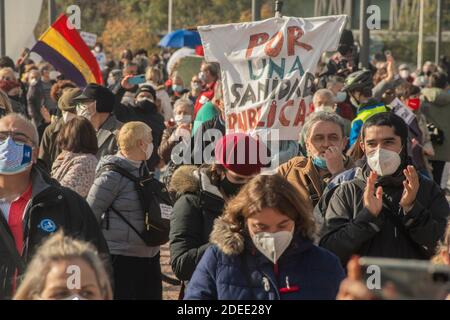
(388, 209)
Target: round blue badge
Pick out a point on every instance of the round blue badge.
(47, 225)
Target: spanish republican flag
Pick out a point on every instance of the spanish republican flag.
(64, 48)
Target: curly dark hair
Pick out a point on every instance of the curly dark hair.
(58, 88)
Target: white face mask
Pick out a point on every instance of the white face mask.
(324, 108)
(111, 82)
(384, 162)
(404, 74)
(182, 119)
(272, 245)
(354, 102)
(149, 151)
(144, 99)
(341, 96)
(67, 116)
(86, 111)
(54, 75)
(202, 76)
(74, 297)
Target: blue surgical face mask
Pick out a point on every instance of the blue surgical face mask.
(341, 96)
(320, 162)
(14, 158)
(177, 88)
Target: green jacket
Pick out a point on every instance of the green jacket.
(207, 112)
(49, 151)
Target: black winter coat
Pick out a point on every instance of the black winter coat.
(198, 204)
(350, 229)
(52, 208)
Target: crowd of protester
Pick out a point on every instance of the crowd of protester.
(360, 181)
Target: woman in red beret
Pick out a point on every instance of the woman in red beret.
(201, 194)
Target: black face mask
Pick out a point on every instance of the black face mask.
(146, 105)
(231, 189)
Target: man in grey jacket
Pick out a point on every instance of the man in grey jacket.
(96, 103)
(388, 209)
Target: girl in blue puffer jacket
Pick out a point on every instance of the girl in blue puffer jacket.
(263, 250)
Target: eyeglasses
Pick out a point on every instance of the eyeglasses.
(17, 137)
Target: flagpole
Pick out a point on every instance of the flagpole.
(438, 30)
(51, 12)
(256, 10)
(278, 8)
(2, 28)
(364, 34)
(170, 13)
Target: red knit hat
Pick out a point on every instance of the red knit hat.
(240, 153)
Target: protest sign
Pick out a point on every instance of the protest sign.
(89, 38)
(403, 111)
(267, 69)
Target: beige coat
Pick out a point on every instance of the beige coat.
(75, 171)
(302, 174)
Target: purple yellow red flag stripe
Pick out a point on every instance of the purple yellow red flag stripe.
(63, 47)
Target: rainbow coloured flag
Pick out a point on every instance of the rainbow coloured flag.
(62, 46)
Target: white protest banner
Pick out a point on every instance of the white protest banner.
(403, 111)
(268, 69)
(89, 38)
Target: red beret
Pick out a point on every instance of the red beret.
(240, 153)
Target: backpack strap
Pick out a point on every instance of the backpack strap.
(313, 195)
(118, 169)
(144, 199)
(127, 222)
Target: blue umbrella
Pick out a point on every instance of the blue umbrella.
(181, 38)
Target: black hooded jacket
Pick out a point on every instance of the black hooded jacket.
(146, 112)
(350, 229)
(52, 208)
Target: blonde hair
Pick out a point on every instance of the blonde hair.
(154, 75)
(131, 133)
(5, 102)
(59, 247)
(5, 72)
(443, 246)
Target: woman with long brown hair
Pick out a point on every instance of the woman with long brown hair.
(200, 195)
(262, 249)
(74, 168)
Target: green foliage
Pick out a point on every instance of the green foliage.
(135, 24)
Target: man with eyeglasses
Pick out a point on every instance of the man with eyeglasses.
(33, 206)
